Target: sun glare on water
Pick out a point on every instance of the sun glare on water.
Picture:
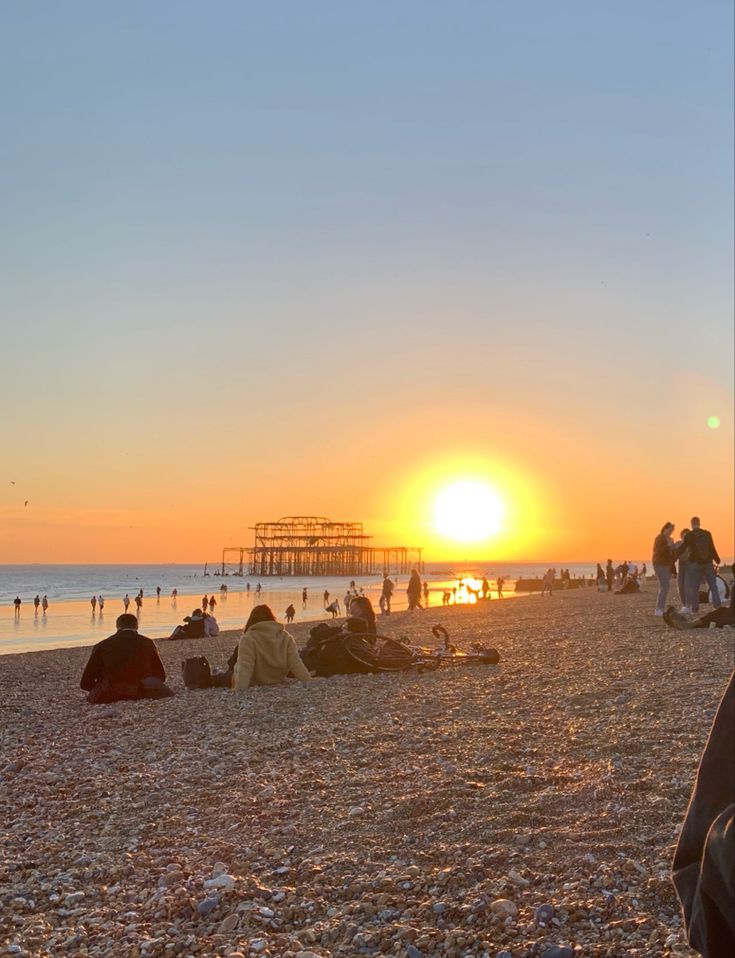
(468, 511)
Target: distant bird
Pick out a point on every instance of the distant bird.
(12, 483)
(26, 502)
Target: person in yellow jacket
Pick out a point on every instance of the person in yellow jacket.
(266, 654)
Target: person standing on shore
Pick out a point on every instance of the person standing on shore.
(413, 591)
(303, 598)
(126, 601)
(700, 547)
(386, 595)
(609, 575)
(93, 603)
(44, 604)
(212, 603)
(205, 602)
(101, 603)
(499, 583)
(138, 602)
(17, 603)
(36, 603)
(158, 592)
(663, 561)
(290, 612)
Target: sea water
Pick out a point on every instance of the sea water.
(70, 619)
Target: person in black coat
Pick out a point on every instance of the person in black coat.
(704, 862)
(125, 665)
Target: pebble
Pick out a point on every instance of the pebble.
(439, 907)
(503, 906)
(544, 913)
(221, 881)
(413, 952)
(257, 944)
(557, 951)
(207, 905)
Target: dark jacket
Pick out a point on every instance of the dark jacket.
(704, 863)
(126, 658)
(700, 546)
(663, 552)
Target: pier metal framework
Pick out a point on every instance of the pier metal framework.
(314, 545)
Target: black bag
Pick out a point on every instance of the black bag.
(196, 673)
(699, 545)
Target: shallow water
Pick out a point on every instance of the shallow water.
(70, 621)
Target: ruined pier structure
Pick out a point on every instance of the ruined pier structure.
(313, 545)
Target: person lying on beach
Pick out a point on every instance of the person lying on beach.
(266, 653)
(125, 665)
(722, 616)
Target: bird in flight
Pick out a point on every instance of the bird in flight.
(26, 502)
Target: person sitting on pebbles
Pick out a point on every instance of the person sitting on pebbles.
(124, 666)
(266, 653)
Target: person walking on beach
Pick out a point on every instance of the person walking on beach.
(205, 602)
(702, 553)
(93, 603)
(101, 603)
(386, 595)
(609, 575)
(290, 612)
(600, 577)
(426, 593)
(485, 588)
(258, 590)
(499, 583)
(326, 598)
(663, 561)
(212, 603)
(413, 591)
(158, 592)
(547, 583)
(17, 603)
(126, 601)
(303, 598)
(138, 602)
(44, 604)
(36, 603)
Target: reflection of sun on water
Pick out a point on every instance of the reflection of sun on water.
(468, 511)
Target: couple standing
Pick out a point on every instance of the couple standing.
(696, 553)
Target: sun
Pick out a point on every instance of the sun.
(468, 511)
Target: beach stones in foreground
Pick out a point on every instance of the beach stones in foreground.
(558, 951)
(544, 913)
(505, 907)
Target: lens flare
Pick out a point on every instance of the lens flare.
(713, 422)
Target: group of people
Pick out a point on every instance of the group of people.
(693, 559)
(37, 602)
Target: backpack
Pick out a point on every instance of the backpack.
(196, 673)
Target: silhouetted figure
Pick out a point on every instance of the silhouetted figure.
(212, 603)
(290, 613)
(93, 603)
(36, 603)
(500, 582)
(386, 595)
(413, 591)
(303, 598)
(663, 562)
(609, 575)
(44, 604)
(700, 547)
(17, 602)
(124, 666)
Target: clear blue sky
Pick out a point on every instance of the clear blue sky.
(526, 208)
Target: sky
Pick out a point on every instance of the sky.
(325, 259)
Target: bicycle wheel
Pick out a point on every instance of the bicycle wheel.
(375, 653)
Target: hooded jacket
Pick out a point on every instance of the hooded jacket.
(266, 654)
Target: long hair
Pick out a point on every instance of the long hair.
(260, 613)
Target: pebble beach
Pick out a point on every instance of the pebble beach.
(525, 809)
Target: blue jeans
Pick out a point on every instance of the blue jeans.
(663, 574)
(696, 571)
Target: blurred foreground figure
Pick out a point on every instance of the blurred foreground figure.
(704, 863)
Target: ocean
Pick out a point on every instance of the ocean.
(70, 621)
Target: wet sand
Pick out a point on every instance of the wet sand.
(407, 815)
